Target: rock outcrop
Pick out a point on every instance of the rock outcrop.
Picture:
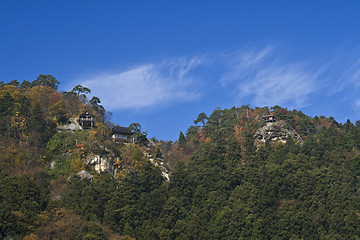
(103, 163)
(158, 161)
(276, 132)
(71, 126)
(107, 163)
(85, 175)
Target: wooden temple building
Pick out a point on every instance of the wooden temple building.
(86, 120)
(122, 134)
(269, 118)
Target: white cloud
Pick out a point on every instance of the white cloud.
(357, 104)
(268, 80)
(352, 75)
(242, 64)
(261, 77)
(148, 85)
(342, 71)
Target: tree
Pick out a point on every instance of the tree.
(46, 80)
(276, 108)
(95, 232)
(182, 140)
(14, 83)
(137, 133)
(25, 84)
(80, 89)
(202, 117)
(215, 117)
(7, 103)
(95, 102)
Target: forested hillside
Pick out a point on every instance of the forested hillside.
(234, 174)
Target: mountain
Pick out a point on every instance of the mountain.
(240, 173)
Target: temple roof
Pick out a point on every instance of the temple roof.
(85, 114)
(122, 130)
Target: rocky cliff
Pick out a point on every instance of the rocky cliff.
(103, 163)
(108, 163)
(276, 132)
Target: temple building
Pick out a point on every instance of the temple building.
(86, 120)
(122, 134)
(269, 118)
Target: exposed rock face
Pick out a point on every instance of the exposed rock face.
(102, 163)
(164, 171)
(107, 163)
(276, 132)
(159, 161)
(72, 126)
(85, 175)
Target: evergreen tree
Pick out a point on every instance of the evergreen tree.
(182, 139)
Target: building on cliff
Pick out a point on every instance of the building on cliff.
(86, 120)
(269, 118)
(122, 134)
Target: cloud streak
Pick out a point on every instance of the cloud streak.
(268, 80)
(256, 76)
(148, 85)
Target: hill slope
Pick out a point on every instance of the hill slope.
(237, 176)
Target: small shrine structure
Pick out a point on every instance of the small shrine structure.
(86, 120)
(122, 134)
(269, 118)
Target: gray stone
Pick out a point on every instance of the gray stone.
(85, 175)
(71, 127)
(101, 163)
(276, 132)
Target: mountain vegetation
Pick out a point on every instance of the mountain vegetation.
(226, 182)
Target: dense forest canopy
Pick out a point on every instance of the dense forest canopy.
(233, 174)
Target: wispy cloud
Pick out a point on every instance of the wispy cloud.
(266, 79)
(257, 76)
(342, 69)
(342, 75)
(243, 64)
(357, 104)
(148, 85)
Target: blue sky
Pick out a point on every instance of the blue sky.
(161, 63)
